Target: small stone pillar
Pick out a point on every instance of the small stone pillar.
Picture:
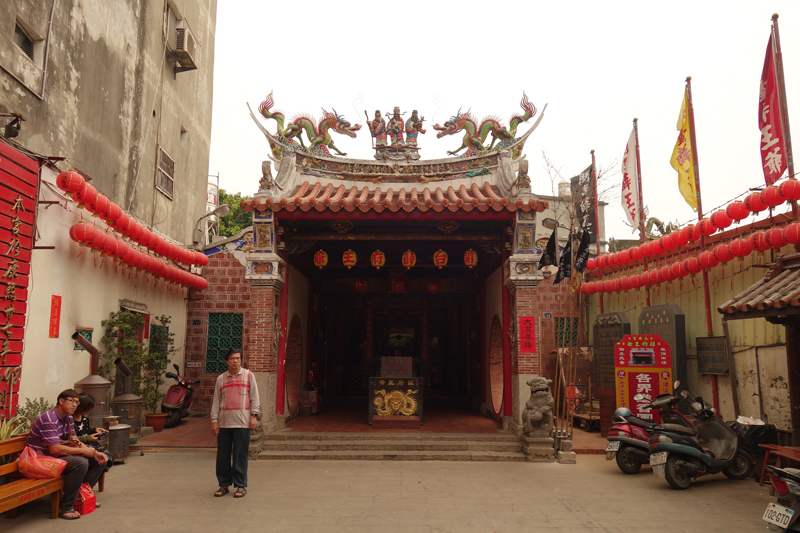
(537, 422)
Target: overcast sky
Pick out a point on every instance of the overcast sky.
(596, 64)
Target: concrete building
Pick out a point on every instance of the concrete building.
(120, 92)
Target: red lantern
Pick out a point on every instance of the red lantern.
(602, 261)
(202, 283)
(134, 230)
(792, 232)
(398, 285)
(70, 181)
(679, 237)
(678, 270)
(409, 259)
(693, 233)
(666, 273)
(790, 189)
(320, 259)
(625, 257)
(378, 259)
(98, 240)
(81, 232)
(144, 236)
(636, 281)
(121, 223)
(591, 264)
(636, 253)
(741, 248)
(440, 259)
(470, 258)
(624, 283)
(349, 259)
(153, 242)
(737, 211)
(707, 260)
(122, 249)
(433, 286)
(98, 205)
(655, 277)
(128, 256)
(774, 238)
(587, 288)
(161, 246)
(722, 253)
(721, 219)
(667, 242)
(706, 227)
(111, 213)
(608, 285)
(772, 196)
(361, 285)
(85, 195)
(110, 246)
(202, 259)
(754, 203)
(693, 265)
(758, 241)
(657, 247)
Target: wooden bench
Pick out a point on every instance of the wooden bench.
(786, 452)
(21, 490)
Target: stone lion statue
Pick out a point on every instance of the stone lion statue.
(537, 418)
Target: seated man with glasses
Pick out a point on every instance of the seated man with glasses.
(53, 433)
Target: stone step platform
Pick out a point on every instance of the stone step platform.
(392, 447)
(372, 455)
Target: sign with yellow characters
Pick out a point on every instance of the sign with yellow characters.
(642, 365)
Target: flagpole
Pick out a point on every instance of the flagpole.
(787, 134)
(596, 220)
(696, 166)
(641, 205)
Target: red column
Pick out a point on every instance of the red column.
(280, 386)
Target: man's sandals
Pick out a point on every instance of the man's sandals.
(221, 492)
(241, 492)
(72, 514)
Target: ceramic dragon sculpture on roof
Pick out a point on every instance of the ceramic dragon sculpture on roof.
(475, 135)
(319, 136)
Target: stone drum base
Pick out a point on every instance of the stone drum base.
(538, 449)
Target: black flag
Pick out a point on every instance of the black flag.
(549, 255)
(582, 256)
(565, 264)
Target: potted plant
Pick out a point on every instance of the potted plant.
(162, 347)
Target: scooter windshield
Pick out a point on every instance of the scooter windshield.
(717, 437)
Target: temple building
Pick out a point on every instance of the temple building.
(352, 266)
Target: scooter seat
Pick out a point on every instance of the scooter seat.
(677, 428)
(641, 422)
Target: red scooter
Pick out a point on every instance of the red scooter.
(627, 440)
(178, 401)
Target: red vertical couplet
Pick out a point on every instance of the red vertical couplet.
(527, 334)
(280, 386)
(507, 398)
(773, 147)
(55, 316)
(484, 339)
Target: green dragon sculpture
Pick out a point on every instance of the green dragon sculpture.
(475, 135)
(319, 136)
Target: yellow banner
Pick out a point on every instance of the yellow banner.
(681, 159)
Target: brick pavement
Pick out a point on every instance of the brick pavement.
(356, 496)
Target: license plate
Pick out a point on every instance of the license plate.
(658, 458)
(778, 515)
(612, 446)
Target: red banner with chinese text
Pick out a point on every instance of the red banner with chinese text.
(527, 334)
(55, 316)
(773, 149)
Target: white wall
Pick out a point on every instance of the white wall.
(91, 287)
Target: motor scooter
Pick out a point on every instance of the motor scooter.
(627, 440)
(782, 516)
(178, 401)
(676, 452)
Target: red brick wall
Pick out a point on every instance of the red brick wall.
(534, 301)
(227, 292)
(263, 309)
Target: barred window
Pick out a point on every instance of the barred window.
(22, 40)
(165, 174)
(566, 332)
(224, 333)
(159, 337)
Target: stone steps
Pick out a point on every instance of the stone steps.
(287, 445)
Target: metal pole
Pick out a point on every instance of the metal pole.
(641, 205)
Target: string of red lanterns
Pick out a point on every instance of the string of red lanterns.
(88, 198)
(408, 260)
(107, 245)
(757, 242)
(755, 202)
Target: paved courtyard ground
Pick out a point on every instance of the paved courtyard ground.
(172, 492)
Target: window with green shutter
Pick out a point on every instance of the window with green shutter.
(566, 334)
(224, 333)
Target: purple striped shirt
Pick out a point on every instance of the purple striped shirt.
(49, 429)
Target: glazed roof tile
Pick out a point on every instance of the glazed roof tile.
(778, 293)
(394, 197)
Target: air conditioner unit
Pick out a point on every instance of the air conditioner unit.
(185, 47)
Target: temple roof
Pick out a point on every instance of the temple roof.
(777, 294)
(395, 197)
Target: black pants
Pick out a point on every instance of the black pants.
(232, 443)
(78, 470)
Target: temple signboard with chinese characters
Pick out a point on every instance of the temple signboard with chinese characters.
(18, 191)
(643, 365)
